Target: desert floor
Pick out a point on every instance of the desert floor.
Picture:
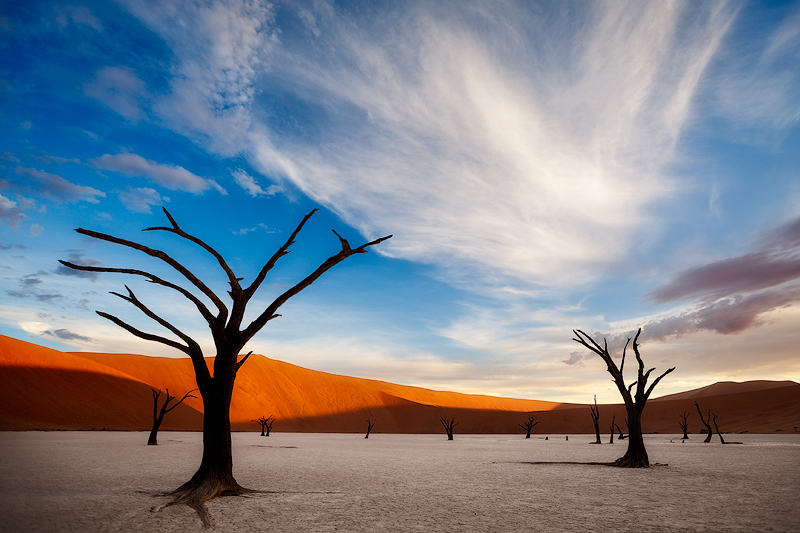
(109, 481)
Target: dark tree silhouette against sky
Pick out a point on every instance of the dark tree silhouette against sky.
(214, 477)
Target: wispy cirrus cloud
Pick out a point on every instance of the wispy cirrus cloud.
(172, 177)
(55, 188)
(139, 199)
(466, 130)
(251, 186)
(218, 46)
(121, 89)
(10, 213)
(758, 85)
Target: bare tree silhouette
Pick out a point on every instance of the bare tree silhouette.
(706, 422)
(684, 423)
(214, 477)
(621, 435)
(613, 419)
(528, 425)
(158, 416)
(448, 426)
(714, 418)
(636, 455)
(266, 425)
(596, 420)
(370, 425)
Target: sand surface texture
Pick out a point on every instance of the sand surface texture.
(107, 481)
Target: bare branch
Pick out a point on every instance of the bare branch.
(283, 250)
(187, 395)
(345, 244)
(269, 312)
(653, 386)
(241, 362)
(152, 279)
(167, 259)
(135, 301)
(625, 349)
(143, 335)
(232, 279)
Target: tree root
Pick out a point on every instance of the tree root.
(196, 496)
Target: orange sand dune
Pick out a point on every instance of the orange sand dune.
(47, 389)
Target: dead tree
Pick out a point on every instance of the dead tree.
(448, 426)
(528, 425)
(370, 425)
(636, 455)
(621, 435)
(158, 416)
(706, 422)
(684, 424)
(596, 420)
(714, 418)
(266, 425)
(613, 419)
(214, 477)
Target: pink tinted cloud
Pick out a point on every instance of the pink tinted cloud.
(777, 261)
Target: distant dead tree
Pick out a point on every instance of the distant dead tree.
(370, 425)
(684, 423)
(596, 420)
(621, 435)
(266, 425)
(214, 477)
(714, 418)
(448, 426)
(706, 422)
(158, 416)
(613, 419)
(636, 455)
(528, 425)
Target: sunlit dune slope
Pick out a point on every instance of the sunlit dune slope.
(47, 389)
(42, 388)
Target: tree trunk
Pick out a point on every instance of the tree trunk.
(636, 455)
(215, 475)
(153, 439)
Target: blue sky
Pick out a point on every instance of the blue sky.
(543, 166)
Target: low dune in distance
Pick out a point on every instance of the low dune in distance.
(41, 388)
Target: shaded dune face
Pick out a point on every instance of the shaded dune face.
(42, 388)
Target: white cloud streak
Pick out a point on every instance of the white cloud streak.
(482, 148)
(172, 177)
(58, 189)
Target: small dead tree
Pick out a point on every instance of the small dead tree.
(230, 334)
(266, 425)
(370, 425)
(158, 416)
(684, 423)
(613, 419)
(596, 420)
(714, 418)
(621, 435)
(636, 455)
(448, 426)
(706, 422)
(528, 425)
